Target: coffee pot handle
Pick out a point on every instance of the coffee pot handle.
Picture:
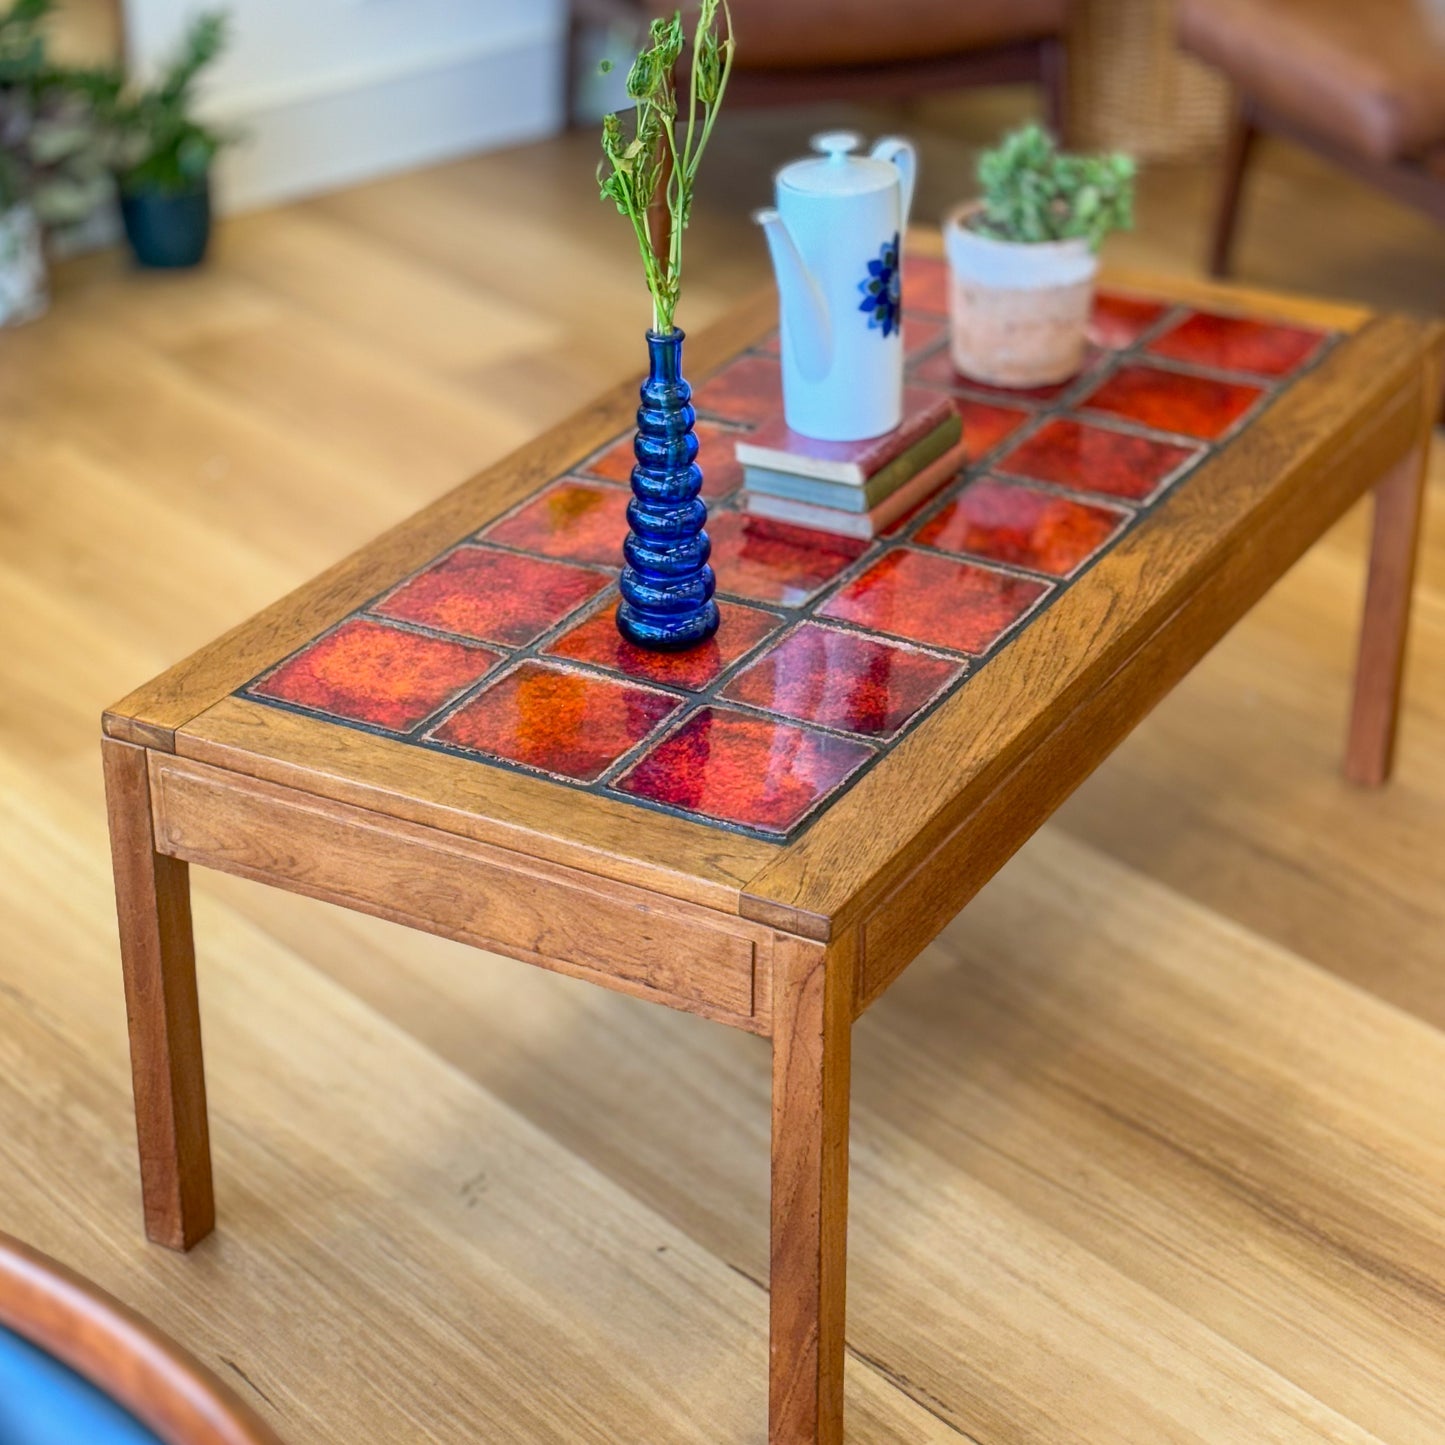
(894, 148)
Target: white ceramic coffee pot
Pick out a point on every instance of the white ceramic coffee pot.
(835, 237)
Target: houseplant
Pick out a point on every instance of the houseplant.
(163, 154)
(52, 168)
(1024, 256)
(648, 171)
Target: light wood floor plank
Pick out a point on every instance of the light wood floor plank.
(1147, 1147)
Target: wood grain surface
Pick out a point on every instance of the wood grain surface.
(1145, 1147)
(1318, 448)
(158, 961)
(625, 938)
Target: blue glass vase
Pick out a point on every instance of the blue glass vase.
(666, 585)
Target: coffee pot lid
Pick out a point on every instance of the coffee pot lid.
(837, 172)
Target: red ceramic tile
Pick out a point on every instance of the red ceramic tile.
(492, 596)
(1172, 401)
(1088, 458)
(576, 521)
(986, 425)
(1119, 320)
(842, 680)
(721, 472)
(925, 284)
(374, 674)
(1004, 522)
(573, 724)
(934, 599)
(769, 561)
(1238, 343)
(937, 370)
(598, 641)
(748, 390)
(738, 768)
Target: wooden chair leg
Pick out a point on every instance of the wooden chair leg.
(153, 904)
(1238, 149)
(812, 1042)
(1054, 78)
(1379, 673)
(571, 63)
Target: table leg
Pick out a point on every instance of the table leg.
(812, 1043)
(1379, 673)
(153, 904)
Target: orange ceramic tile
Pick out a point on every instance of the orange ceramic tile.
(574, 520)
(556, 720)
(1023, 527)
(769, 561)
(746, 391)
(937, 600)
(985, 425)
(735, 767)
(1238, 343)
(843, 679)
(597, 640)
(1173, 401)
(492, 596)
(1100, 459)
(386, 676)
(925, 284)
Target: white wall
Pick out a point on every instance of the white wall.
(334, 91)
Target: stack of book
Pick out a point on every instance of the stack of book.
(853, 488)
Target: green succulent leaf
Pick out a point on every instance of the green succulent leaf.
(1033, 192)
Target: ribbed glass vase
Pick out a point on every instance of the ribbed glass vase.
(667, 585)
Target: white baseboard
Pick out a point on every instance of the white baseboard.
(299, 145)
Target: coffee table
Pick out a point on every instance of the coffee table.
(445, 730)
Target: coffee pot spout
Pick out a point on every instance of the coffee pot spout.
(803, 315)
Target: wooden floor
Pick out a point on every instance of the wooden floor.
(1148, 1147)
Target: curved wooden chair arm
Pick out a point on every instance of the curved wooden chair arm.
(124, 1356)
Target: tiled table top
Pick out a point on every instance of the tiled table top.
(503, 649)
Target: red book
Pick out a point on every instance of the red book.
(775, 445)
(935, 476)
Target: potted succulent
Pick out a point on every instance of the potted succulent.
(52, 168)
(1024, 255)
(648, 171)
(163, 154)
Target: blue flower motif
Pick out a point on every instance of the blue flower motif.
(883, 289)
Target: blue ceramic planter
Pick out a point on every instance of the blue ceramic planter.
(666, 585)
(168, 231)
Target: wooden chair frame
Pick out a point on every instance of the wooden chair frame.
(1042, 61)
(121, 1354)
(1407, 181)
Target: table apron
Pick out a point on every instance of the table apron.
(624, 938)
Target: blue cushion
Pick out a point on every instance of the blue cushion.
(44, 1403)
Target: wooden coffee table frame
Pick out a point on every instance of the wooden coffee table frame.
(790, 941)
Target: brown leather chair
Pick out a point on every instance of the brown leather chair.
(1360, 81)
(791, 51)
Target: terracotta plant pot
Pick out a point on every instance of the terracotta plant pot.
(24, 292)
(1019, 310)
